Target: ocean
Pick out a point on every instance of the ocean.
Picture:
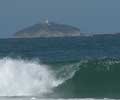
(61, 68)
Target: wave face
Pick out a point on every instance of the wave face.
(95, 78)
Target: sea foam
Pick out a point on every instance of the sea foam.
(24, 78)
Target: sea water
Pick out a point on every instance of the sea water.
(69, 68)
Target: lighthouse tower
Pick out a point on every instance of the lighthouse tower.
(46, 21)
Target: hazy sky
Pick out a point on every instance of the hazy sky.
(88, 15)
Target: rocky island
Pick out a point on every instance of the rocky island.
(48, 29)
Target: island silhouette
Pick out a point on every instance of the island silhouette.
(48, 29)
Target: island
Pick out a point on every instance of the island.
(48, 29)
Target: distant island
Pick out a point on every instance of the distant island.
(48, 29)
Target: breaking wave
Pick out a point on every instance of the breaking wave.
(20, 77)
(91, 78)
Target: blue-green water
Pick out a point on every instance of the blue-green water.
(60, 68)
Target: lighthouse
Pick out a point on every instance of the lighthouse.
(46, 21)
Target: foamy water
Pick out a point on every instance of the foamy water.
(33, 98)
(24, 78)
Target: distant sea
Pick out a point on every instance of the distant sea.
(65, 68)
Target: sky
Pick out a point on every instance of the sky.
(88, 15)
